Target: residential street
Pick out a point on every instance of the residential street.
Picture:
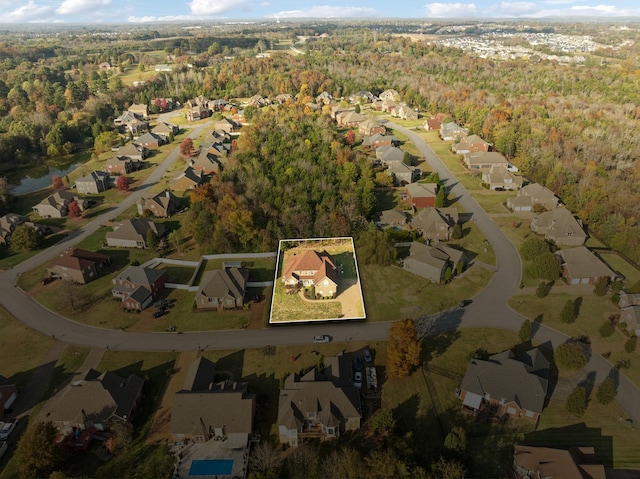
(489, 308)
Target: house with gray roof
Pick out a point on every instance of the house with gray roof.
(93, 183)
(189, 179)
(165, 130)
(559, 226)
(138, 286)
(211, 407)
(133, 233)
(319, 404)
(431, 262)
(436, 224)
(581, 266)
(151, 140)
(484, 161)
(631, 317)
(500, 178)
(402, 173)
(531, 195)
(393, 218)
(452, 131)
(133, 151)
(97, 400)
(389, 154)
(222, 289)
(10, 221)
(515, 385)
(57, 204)
(422, 195)
(379, 140)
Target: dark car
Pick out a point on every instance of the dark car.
(159, 313)
(464, 303)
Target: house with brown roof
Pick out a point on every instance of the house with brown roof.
(8, 393)
(389, 105)
(537, 462)
(93, 183)
(209, 161)
(484, 161)
(151, 140)
(516, 385)
(139, 109)
(422, 195)
(319, 404)
(121, 165)
(57, 204)
(189, 179)
(581, 266)
(162, 205)
(389, 94)
(432, 124)
(631, 317)
(350, 119)
(531, 195)
(222, 289)
(133, 233)
(393, 218)
(95, 401)
(197, 112)
(210, 407)
(559, 226)
(435, 224)
(165, 130)
(133, 151)
(138, 286)
(500, 178)
(226, 124)
(310, 268)
(370, 127)
(78, 265)
(470, 144)
(378, 140)
(432, 262)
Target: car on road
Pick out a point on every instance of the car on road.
(367, 356)
(323, 338)
(357, 364)
(357, 380)
(6, 428)
(464, 303)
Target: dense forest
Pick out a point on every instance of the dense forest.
(571, 127)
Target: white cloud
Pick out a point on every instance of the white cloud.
(213, 7)
(451, 10)
(167, 18)
(559, 2)
(518, 8)
(327, 11)
(587, 11)
(28, 13)
(72, 7)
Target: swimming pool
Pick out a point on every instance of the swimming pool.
(211, 467)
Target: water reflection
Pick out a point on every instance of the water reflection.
(40, 176)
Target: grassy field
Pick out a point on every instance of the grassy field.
(290, 307)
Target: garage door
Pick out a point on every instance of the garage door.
(585, 281)
(575, 281)
(529, 414)
(511, 410)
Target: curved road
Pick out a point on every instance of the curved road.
(489, 308)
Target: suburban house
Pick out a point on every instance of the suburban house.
(222, 289)
(629, 299)
(404, 112)
(500, 178)
(378, 140)
(452, 132)
(560, 226)
(133, 233)
(470, 144)
(8, 394)
(121, 165)
(197, 112)
(132, 123)
(210, 160)
(581, 266)
(362, 96)
(350, 119)
(10, 221)
(151, 140)
(57, 204)
(258, 101)
(403, 173)
(319, 404)
(484, 161)
(389, 94)
(537, 462)
(631, 317)
(94, 183)
(515, 385)
(197, 101)
(531, 195)
(310, 268)
(138, 286)
(165, 130)
(422, 195)
(284, 98)
(370, 127)
(432, 124)
(431, 262)
(208, 407)
(389, 105)
(390, 218)
(189, 179)
(389, 154)
(324, 98)
(226, 124)
(94, 402)
(78, 265)
(162, 205)
(139, 110)
(133, 151)
(337, 109)
(435, 224)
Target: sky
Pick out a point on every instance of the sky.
(150, 11)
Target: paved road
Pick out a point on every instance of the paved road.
(489, 308)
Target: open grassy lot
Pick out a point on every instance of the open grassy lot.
(260, 269)
(177, 274)
(493, 201)
(291, 307)
(618, 263)
(391, 293)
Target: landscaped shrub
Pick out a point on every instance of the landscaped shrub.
(545, 266)
(541, 290)
(630, 345)
(577, 402)
(606, 392)
(606, 329)
(568, 313)
(570, 355)
(601, 287)
(533, 247)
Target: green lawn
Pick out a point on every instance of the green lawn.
(618, 263)
(177, 274)
(347, 261)
(290, 307)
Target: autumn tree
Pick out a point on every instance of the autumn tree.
(186, 148)
(122, 183)
(456, 440)
(403, 350)
(37, 453)
(447, 469)
(350, 138)
(74, 210)
(57, 183)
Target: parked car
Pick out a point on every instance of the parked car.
(6, 428)
(159, 313)
(357, 380)
(367, 356)
(324, 338)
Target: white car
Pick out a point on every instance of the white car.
(324, 338)
(6, 428)
(357, 380)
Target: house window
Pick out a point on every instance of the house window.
(330, 431)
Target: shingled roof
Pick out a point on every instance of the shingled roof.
(221, 282)
(78, 259)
